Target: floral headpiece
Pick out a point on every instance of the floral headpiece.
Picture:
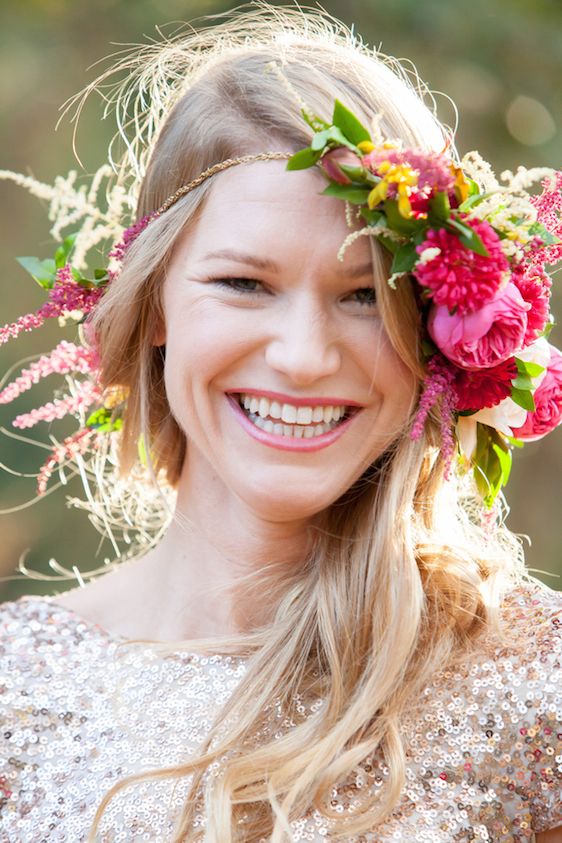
(476, 250)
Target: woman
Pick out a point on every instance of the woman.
(332, 639)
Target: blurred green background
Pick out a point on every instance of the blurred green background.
(500, 62)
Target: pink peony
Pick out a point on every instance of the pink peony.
(485, 338)
(457, 277)
(534, 285)
(481, 388)
(331, 161)
(548, 402)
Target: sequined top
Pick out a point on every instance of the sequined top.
(78, 713)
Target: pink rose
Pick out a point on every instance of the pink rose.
(331, 161)
(484, 338)
(548, 402)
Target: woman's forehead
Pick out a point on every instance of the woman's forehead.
(264, 208)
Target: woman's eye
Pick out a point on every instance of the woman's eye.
(239, 285)
(364, 296)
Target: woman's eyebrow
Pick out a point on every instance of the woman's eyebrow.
(270, 265)
(243, 257)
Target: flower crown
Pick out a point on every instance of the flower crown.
(476, 250)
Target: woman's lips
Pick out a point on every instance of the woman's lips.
(307, 437)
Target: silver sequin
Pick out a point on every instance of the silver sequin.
(77, 713)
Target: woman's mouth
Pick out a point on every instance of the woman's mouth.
(289, 420)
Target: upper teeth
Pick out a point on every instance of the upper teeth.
(290, 413)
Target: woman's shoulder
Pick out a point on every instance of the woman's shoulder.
(36, 628)
(531, 615)
(522, 659)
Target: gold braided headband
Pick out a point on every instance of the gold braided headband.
(217, 168)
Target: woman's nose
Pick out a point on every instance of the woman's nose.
(304, 346)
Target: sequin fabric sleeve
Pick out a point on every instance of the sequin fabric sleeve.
(78, 713)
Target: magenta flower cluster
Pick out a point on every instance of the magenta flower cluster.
(458, 278)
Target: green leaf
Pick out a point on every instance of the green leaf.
(43, 271)
(505, 459)
(349, 124)
(491, 463)
(537, 229)
(358, 174)
(303, 159)
(355, 195)
(473, 200)
(389, 244)
(373, 217)
(399, 223)
(429, 348)
(439, 207)
(525, 367)
(524, 398)
(523, 382)
(331, 136)
(64, 250)
(404, 259)
(517, 443)
(468, 237)
(141, 450)
(104, 420)
(316, 123)
(101, 277)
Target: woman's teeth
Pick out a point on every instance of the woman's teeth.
(290, 420)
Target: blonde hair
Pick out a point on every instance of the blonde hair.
(402, 578)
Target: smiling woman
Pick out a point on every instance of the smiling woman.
(336, 637)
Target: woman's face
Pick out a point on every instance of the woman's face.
(278, 368)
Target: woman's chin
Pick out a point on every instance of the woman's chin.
(287, 504)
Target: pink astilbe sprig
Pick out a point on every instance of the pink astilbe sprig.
(71, 447)
(67, 295)
(87, 393)
(25, 323)
(438, 388)
(549, 213)
(66, 357)
(129, 236)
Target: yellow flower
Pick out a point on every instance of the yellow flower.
(461, 185)
(366, 146)
(404, 207)
(378, 194)
(114, 396)
(402, 176)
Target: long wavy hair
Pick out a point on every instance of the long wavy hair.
(402, 576)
